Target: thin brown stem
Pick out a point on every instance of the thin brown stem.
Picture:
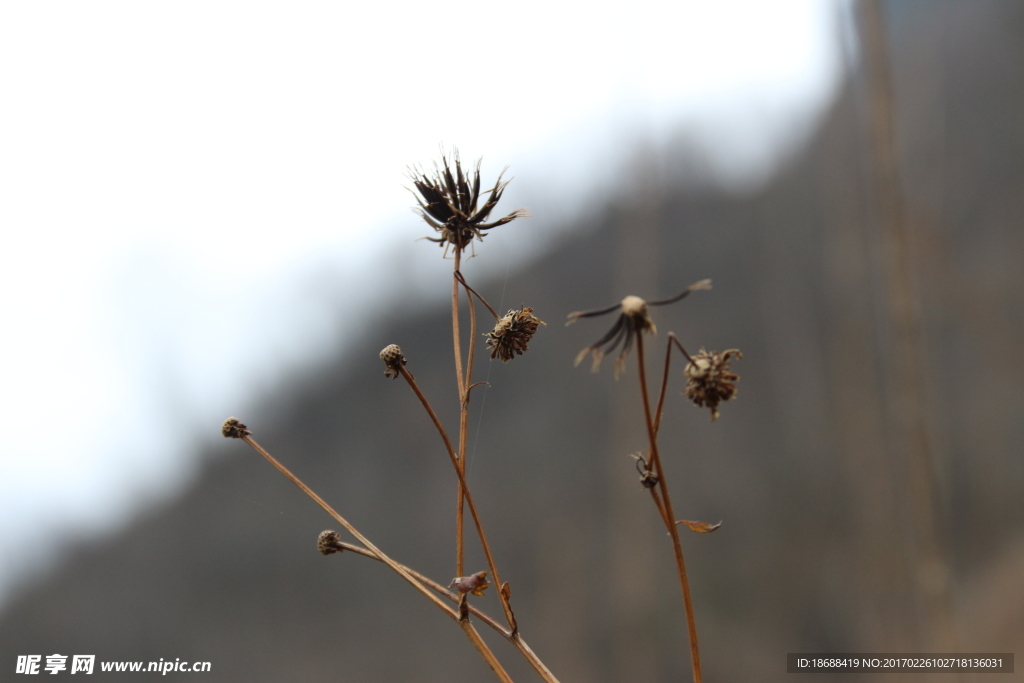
(672, 339)
(668, 516)
(664, 384)
(348, 527)
(675, 340)
(511, 636)
(464, 408)
(468, 495)
(378, 554)
(475, 293)
(445, 592)
(481, 646)
(660, 505)
(460, 381)
(455, 324)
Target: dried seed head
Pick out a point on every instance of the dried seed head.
(475, 584)
(393, 360)
(329, 542)
(233, 429)
(633, 320)
(511, 335)
(709, 380)
(448, 203)
(636, 308)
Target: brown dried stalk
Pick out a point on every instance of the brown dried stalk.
(492, 567)
(234, 429)
(667, 514)
(710, 382)
(448, 203)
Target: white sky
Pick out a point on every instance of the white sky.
(176, 178)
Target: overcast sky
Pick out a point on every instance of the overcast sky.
(176, 178)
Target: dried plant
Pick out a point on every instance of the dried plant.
(631, 323)
(450, 203)
(512, 334)
(709, 382)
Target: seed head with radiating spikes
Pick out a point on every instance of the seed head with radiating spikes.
(633, 321)
(449, 203)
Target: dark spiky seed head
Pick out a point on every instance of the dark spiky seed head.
(709, 381)
(511, 334)
(233, 429)
(329, 542)
(393, 360)
(450, 203)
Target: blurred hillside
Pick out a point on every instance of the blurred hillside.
(807, 469)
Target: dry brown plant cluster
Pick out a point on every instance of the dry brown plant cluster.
(450, 201)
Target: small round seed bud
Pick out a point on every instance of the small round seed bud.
(329, 542)
(393, 361)
(233, 429)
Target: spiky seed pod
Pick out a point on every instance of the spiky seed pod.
(393, 360)
(233, 429)
(475, 583)
(329, 542)
(448, 202)
(709, 381)
(511, 334)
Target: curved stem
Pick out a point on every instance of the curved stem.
(664, 385)
(477, 295)
(672, 339)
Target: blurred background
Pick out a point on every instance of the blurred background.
(205, 216)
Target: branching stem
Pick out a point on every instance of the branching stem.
(668, 516)
(491, 566)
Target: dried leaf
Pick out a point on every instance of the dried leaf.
(699, 527)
